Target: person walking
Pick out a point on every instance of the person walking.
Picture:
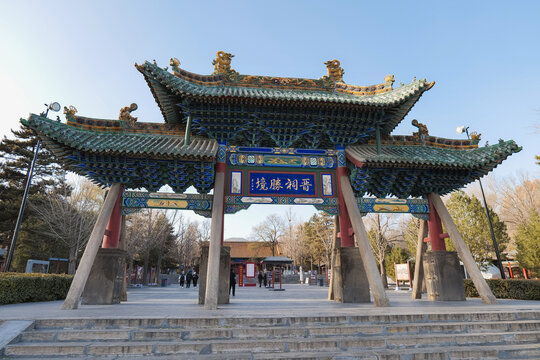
(189, 277)
(232, 282)
(195, 278)
(182, 279)
(265, 278)
(260, 278)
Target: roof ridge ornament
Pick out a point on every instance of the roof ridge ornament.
(475, 138)
(125, 114)
(335, 71)
(422, 132)
(389, 79)
(70, 112)
(175, 63)
(222, 63)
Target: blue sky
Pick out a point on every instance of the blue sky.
(483, 55)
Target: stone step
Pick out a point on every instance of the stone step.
(520, 351)
(285, 321)
(327, 344)
(160, 334)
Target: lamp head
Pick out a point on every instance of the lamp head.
(54, 106)
(460, 129)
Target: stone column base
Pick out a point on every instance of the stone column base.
(354, 283)
(106, 280)
(443, 277)
(224, 271)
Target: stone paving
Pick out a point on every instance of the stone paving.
(296, 300)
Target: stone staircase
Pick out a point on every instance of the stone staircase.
(506, 335)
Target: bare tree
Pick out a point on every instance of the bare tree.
(187, 241)
(291, 242)
(381, 233)
(69, 214)
(270, 231)
(516, 197)
(148, 229)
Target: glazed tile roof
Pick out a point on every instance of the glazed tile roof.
(482, 159)
(168, 90)
(146, 145)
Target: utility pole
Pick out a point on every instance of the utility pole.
(465, 129)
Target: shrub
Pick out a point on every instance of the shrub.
(18, 287)
(508, 289)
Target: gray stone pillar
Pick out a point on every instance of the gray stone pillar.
(354, 283)
(87, 260)
(464, 253)
(370, 265)
(418, 282)
(106, 281)
(224, 277)
(442, 273)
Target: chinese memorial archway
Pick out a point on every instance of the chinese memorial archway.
(274, 140)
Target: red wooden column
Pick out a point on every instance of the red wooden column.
(436, 235)
(114, 227)
(346, 232)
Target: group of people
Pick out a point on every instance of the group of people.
(262, 277)
(186, 279)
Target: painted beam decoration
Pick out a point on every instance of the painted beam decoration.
(416, 207)
(132, 201)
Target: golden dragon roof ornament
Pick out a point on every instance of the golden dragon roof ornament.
(335, 71)
(222, 63)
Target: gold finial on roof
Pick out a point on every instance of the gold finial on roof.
(335, 72)
(389, 78)
(222, 63)
(125, 114)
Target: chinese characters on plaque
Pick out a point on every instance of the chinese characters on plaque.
(282, 184)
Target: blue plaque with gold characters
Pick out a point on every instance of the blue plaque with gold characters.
(270, 183)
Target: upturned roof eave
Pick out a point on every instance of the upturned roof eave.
(483, 159)
(74, 138)
(182, 88)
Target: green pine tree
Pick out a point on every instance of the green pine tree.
(16, 154)
(528, 244)
(470, 218)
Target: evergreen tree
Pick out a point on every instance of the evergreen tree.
(319, 232)
(470, 218)
(397, 255)
(17, 154)
(528, 244)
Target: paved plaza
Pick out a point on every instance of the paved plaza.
(296, 300)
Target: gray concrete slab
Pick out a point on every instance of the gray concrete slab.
(9, 330)
(296, 300)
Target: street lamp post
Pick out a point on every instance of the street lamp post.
(54, 107)
(465, 129)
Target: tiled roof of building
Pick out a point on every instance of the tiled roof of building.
(169, 89)
(112, 140)
(248, 249)
(483, 159)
